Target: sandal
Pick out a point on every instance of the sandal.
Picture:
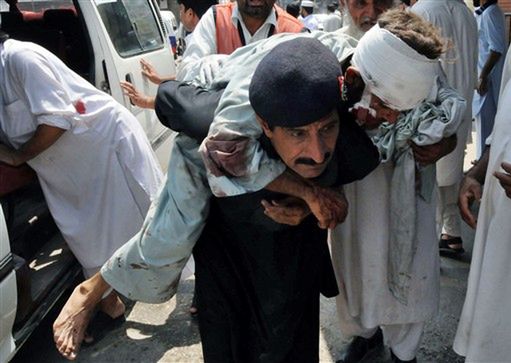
(447, 251)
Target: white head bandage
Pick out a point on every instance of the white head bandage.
(393, 71)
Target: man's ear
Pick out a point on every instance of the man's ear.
(352, 76)
(354, 83)
(264, 125)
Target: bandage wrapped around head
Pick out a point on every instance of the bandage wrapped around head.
(393, 71)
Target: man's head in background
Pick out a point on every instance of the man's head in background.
(293, 8)
(331, 8)
(306, 8)
(365, 13)
(190, 12)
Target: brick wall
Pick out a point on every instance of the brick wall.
(505, 5)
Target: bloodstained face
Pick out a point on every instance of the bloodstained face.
(308, 149)
(365, 13)
(375, 113)
(369, 110)
(259, 9)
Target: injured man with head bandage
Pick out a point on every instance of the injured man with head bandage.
(409, 124)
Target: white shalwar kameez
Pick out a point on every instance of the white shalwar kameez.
(360, 248)
(203, 43)
(99, 177)
(332, 22)
(492, 37)
(310, 22)
(457, 23)
(484, 330)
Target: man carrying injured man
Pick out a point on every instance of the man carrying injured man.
(164, 244)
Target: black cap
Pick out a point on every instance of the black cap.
(296, 83)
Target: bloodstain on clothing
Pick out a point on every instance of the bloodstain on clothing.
(80, 107)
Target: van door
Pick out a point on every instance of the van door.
(8, 294)
(124, 32)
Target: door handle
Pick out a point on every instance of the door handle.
(128, 79)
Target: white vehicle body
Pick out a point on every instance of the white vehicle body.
(104, 41)
(170, 27)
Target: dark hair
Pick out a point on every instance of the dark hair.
(308, 9)
(3, 36)
(199, 7)
(293, 8)
(418, 33)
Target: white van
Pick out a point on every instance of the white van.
(102, 40)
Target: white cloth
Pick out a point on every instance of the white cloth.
(426, 124)
(332, 22)
(147, 268)
(484, 330)
(235, 119)
(203, 42)
(310, 22)
(457, 23)
(99, 177)
(378, 53)
(403, 339)
(506, 72)
(448, 215)
(492, 37)
(360, 253)
(506, 76)
(360, 250)
(349, 27)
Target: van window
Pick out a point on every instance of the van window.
(39, 6)
(131, 26)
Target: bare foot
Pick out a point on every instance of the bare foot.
(69, 327)
(112, 305)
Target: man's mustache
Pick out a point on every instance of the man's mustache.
(368, 20)
(311, 162)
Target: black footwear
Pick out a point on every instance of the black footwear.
(447, 251)
(397, 360)
(360, 347)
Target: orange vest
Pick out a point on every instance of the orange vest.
(228, 35)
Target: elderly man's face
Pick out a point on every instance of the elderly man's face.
(377, 112)
(365, 13)
(374, 111)
(259, 9)
(306, 150)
